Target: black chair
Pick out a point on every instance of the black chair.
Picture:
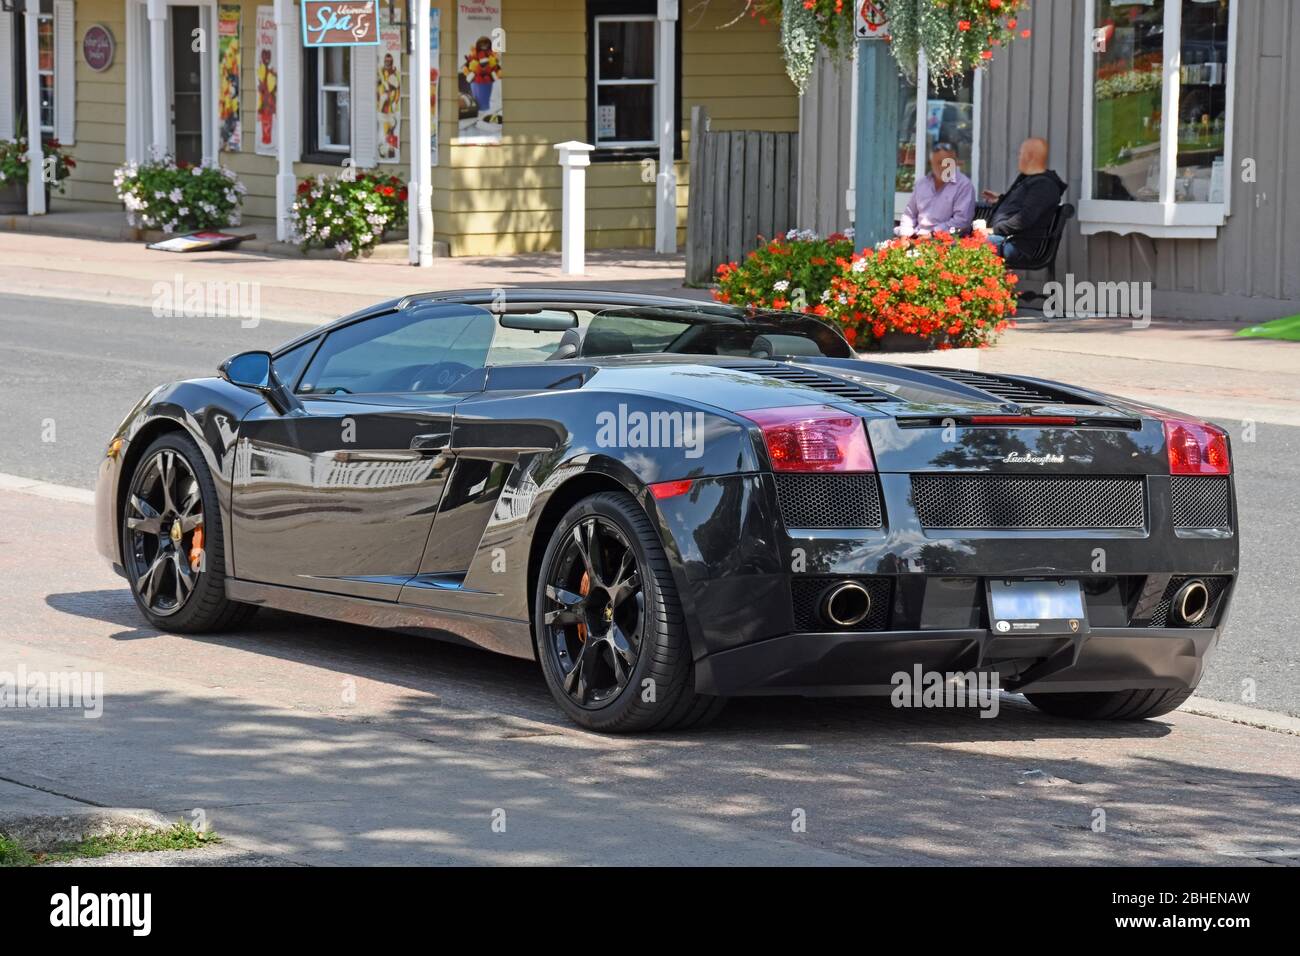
(1037, 253)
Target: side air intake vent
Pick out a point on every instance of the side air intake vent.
(1008, 389)
(838, 387)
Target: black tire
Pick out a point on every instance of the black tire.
(1111, 705)
(198, 601)
(615, 523)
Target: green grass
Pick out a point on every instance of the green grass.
(1287, 329)
(181, 836)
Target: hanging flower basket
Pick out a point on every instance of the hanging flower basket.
(955, 35)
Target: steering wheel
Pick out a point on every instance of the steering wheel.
(437, 377)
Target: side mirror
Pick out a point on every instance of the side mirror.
(255, 370)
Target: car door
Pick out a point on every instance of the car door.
(341, 494)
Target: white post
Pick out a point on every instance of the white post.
(35, 150)
(420, 194)
(286, 111)
(575, 157)
(158, 78)
(666, 184)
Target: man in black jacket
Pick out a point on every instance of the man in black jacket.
(1022, 215)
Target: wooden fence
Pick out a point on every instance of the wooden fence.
(743, 190)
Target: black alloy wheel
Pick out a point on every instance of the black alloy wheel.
(164, 521)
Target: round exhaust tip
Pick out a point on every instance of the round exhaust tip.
(1191, 603)
(847, 604)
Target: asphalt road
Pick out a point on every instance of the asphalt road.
(70, 370)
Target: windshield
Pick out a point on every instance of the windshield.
(761, 335)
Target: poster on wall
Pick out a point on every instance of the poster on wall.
(229, 62)
(435, 69)
(388, 93)
(268, 79)
(479, 39)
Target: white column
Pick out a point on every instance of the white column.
(420, 193)
(35, 153)
(666, 183)
(286, 112)
(575, 157)
(160, 101)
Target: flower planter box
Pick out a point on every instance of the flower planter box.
(13, 199)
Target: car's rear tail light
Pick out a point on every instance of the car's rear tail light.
(1043, 420)
(1196, 448)
(813, 438)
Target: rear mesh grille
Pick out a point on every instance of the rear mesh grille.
(1009, 388)
(806, 594)
(1028, 502)
(1214, 585)
(829, 501)
(1200, 502)
(823, 383)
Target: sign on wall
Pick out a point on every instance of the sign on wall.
(340, 22)
(480, 40)
(388, 94)
(435, 71)
(268, 82)
(98, 47)
(229, 60)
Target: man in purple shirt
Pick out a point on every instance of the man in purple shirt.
(945, 199)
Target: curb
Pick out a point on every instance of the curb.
(41, 831)
(45, 489)
(1240, 714)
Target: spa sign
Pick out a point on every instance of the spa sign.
(340, 22)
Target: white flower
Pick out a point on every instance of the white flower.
(343, 246)
(848, 233)
(859, 265)
(176, 195)
(780, 285)
(196, 171)
(169, 226)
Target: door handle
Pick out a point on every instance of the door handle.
(433, 441)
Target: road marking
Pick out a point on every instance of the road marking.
(46, 489)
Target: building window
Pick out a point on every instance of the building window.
(951, 115)
(1158, 120)
(327, 104)
(624, 81)
(625, 86)
(45, 64)
(334, 99)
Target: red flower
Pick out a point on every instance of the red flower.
(963, 25)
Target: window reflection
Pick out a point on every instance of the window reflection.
(1202, 101)
(1127, 100)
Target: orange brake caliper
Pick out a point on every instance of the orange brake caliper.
(584, 588)
(196, 549)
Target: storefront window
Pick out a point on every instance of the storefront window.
(949, 117)
(625, 80)
(1202, 102)
(1157, 127)
(45, 63)
(1127, 96)
(335, 102)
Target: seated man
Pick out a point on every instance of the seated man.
(1023, 214)
(945, 199)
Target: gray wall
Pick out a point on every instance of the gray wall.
(825, 112)
(1252, 270)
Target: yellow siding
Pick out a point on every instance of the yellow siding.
(489, 199)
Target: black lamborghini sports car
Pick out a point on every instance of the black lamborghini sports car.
(668, 502)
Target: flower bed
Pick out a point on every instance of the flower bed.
(13, 162)
(941, 291)
(178, 197)
(349, 213)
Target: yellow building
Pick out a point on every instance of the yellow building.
(582, 70)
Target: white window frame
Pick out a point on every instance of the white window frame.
(922, 153)
(43, 17)
(1164, 218)
(322, 139)
(597, 82)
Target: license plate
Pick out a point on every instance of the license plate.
(1043, 606)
